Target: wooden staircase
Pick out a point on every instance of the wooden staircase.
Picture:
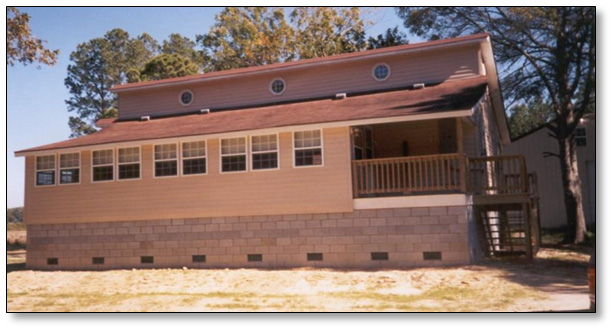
(505, 230)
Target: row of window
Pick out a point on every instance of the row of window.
(264, 152)
(380, 72)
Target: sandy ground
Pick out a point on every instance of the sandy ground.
(556, 281)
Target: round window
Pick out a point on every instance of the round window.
(381, 72)
(186, 97)
(277, 86)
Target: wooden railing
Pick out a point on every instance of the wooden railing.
(440, 174)
(497, 175)
(406, 175)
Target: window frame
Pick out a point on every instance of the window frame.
(140, 163)
(181, 99)
(389, 71)
(246, 154)
(321, 134)
(177, 159)
(92, 166)
(251, 153)
(206, 157)
(36, 170)
(272, 82)
(60, 168)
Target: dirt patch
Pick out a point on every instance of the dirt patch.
(494, 286)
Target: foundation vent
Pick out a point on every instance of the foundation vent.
(254, 257)
(433, 255)
(146, 260)
(315, 257)
(145, 118)
(419, 86)
(340, 96)
(205, 111)
(378, 256)
(198, 258)
(97, 261)
(52, 261)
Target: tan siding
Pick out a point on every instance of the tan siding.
(326, 80)
(283, 191)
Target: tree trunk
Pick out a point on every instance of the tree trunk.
(571, 182)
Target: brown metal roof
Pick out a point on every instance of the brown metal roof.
(452, 95)
(263, 68)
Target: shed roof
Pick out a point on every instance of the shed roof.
(453, 95)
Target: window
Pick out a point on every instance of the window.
(45, 170)
(233, 155)
(165, 160)
(194, 157)
(381, 72)
(186, 98)
(69, 168)
(277, 86)
(308, 148)
(264, 152)
(581, 137)
(102, 165)
(128, 160)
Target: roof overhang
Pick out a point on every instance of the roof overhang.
(272, 130)
(495, 92)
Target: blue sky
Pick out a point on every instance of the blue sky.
(36, 112)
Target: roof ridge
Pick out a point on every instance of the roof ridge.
(289, 64)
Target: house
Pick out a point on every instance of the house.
(382, 158)
(533, 144)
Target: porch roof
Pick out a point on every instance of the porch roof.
(454, 95)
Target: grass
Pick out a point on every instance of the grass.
(15, 226)
(555, 236)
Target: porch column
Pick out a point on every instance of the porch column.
(460, 148)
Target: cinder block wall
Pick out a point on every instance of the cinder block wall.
(345, 240)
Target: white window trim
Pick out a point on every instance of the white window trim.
(389, 72)
(140, 163)
(177, 159)
(206, 158)
(251, 153)
(246, 154)
(60, 168)
(321, 134)
(181, 94)
(284, 86)
(36, 170)
(112, 165)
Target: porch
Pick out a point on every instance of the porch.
(431, 157)
(439, 161)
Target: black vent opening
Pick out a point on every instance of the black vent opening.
(198, 258)
(379, 256)
(146, 260)
(315, 257)
(254, 257)
(52, 261)
(433, 255)
(98, 261)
